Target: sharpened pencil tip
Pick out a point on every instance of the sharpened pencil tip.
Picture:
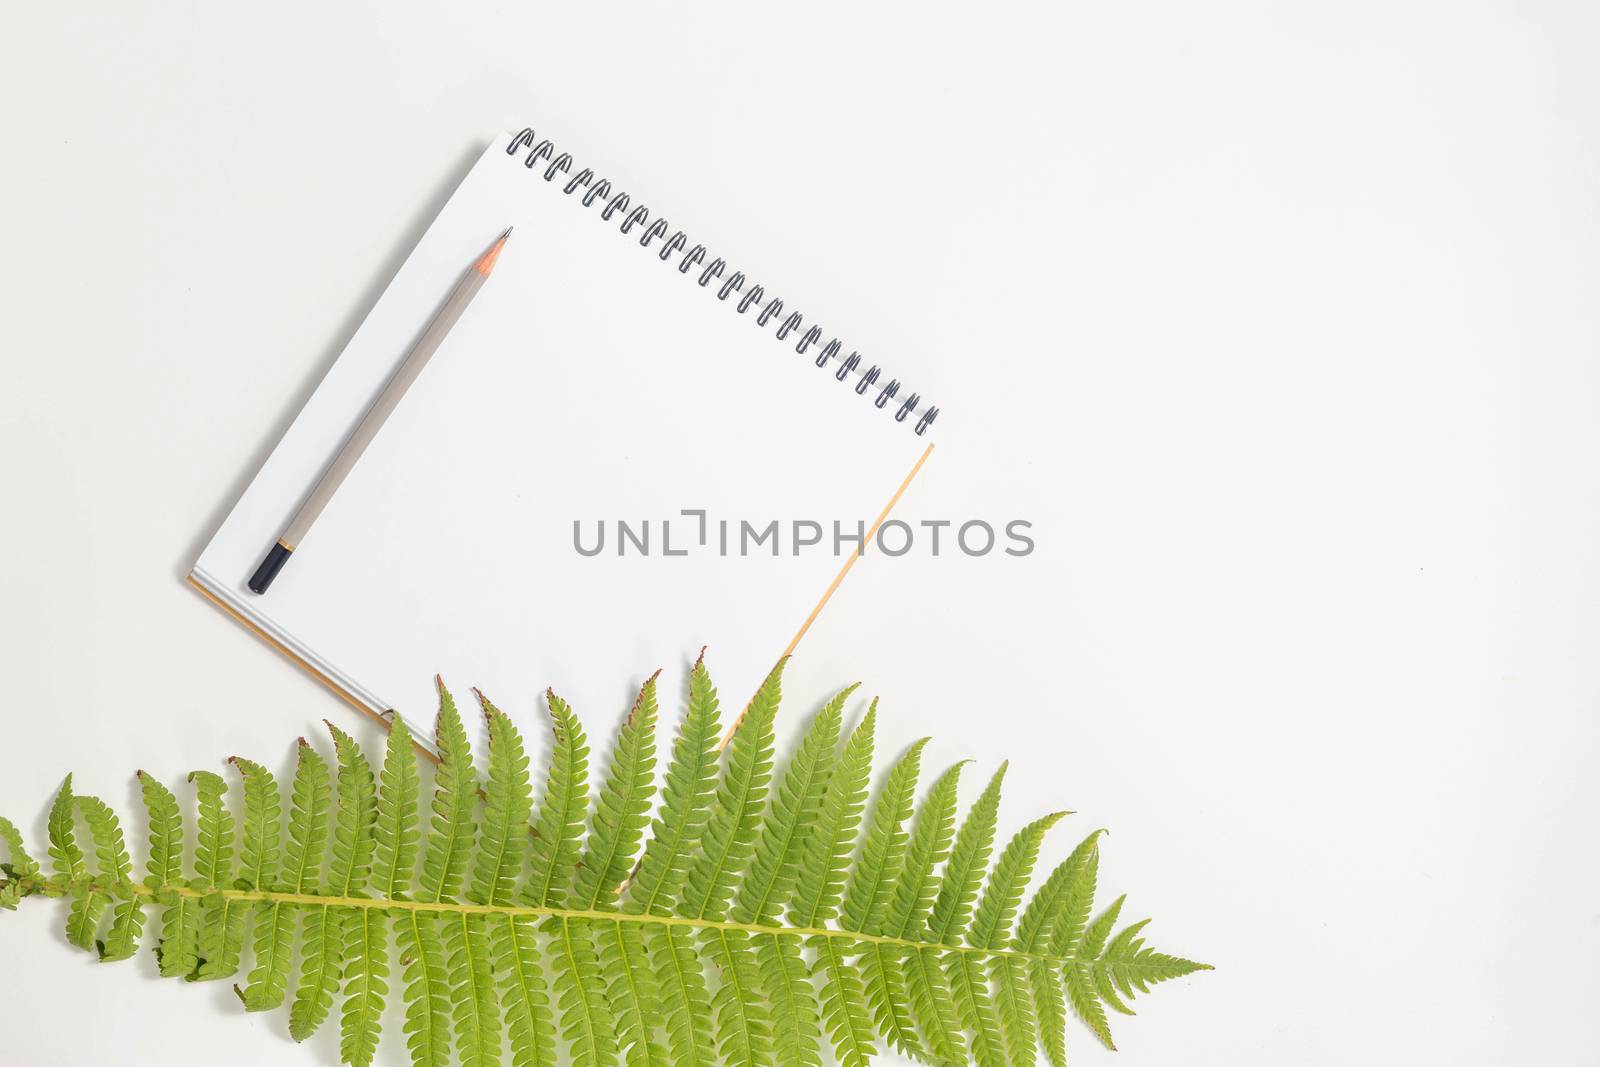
(486, 264)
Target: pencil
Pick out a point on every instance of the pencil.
(423, 349)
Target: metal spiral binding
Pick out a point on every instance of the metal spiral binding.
(638, 215)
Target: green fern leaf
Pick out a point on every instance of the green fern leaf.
(1013, 997)
(22, 867)
(882, 858)
(1129, 967)
(616, 830)
(455, 800)
(623, 811)
(820, 889)
(449, 982)
(83, 917)
(1056, 916)
(1054, 922)
(562, 810)
(263, 811)
(365, 947)
(826, 853)
(793, 1018)
(933, 1005)
(927, 996)
(323, 938)
(630, 988)
(991, 926)
(512, 941)
(427, 989)
(979, 1017)
(687, 795)
(969, 858)
(177, 949)
(398, 831)
(396, 836)
(115, 874)
(472, 991)
(685, 998)
(883, 853)
(757, 923)
(786, 983)
(1085, 1000)
(743, 1033)
(529, 1020)
(366, 985)
(844, 1004)
(795, 804)
(729, 839)
(1099, 931)
(508, 805)
(586, 1020)
(310, 805)
(221, 937)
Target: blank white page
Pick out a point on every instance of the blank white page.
(589, 381)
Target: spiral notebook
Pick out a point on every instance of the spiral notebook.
(626, 449)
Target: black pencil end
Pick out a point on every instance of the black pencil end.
(262, 578)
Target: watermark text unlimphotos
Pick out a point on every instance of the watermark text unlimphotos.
(693, 532)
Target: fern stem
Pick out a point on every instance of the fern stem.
(56, 888)
(50, 887)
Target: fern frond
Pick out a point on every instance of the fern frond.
(562, 811)
(396, 835)
(927, 999)
(84, 914)
(310, 802)
(453, 830)
(744, 1034)
(685, 997)
(746, 923)
(877, 868)
(826, 852)
(786, 983)
(1054, 921)
(22, 867)
(178, 949)
(221, 937)
(795, 804)
(991, 926)
(730, 832)
(742, 1029)
(969, 858)
(323, 938)
(21, 864)
(616, 831)
(623, 810)
(115, 875)
(426, 991)
(357, 937)
(472, 990)
(844, 1004)
(398, 830)
(508, 805)
(586, 1020)
(686, 797)
(453, 989)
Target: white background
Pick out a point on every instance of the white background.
(1276, 320)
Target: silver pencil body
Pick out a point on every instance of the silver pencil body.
(389, 399)
(427, 344)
